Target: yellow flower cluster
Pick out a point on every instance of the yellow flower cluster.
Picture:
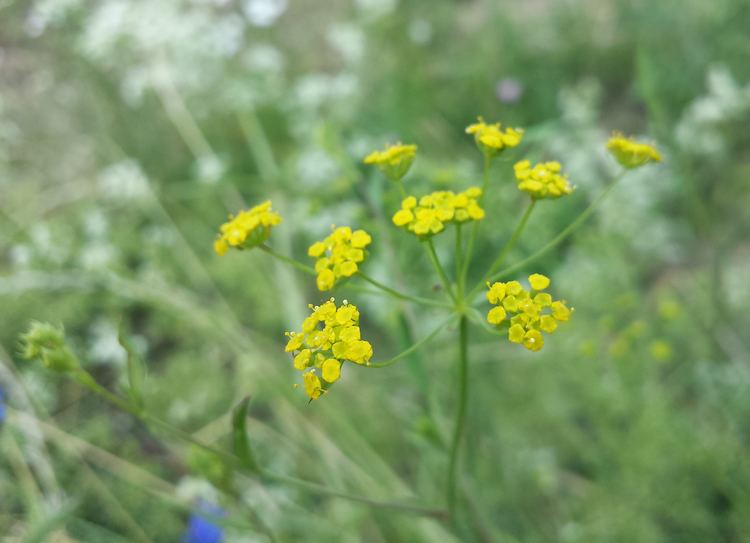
(247, 229)
(338, 255)
(329, 337)
(543, 180)
(428, 216)
(630, 153)
(533, 311)
(394, 161)
(490, 139)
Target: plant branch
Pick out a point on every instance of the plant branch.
(299, 265)
(567, 231)
(411, 349)
(458, 431)
(439, 268)
(506, 249)
(401, 295)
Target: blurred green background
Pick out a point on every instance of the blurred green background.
(129, 129)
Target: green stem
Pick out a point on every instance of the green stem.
(458, 431)
(302, 267)
(320, 489)
(89, 382)
(475, 226)
(561, 236)
(411, 349)
(439, 268)
(485, 177)
(505, 250)
(401, 295)
(459, 263)
(401, 189)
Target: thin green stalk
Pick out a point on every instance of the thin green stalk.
(320, 489)
(562, 235)
(401, 189)
(506, 250)
(475, 226)
(401, 295)
(458, 431)
(439, 268)
(89, 382)
(459, 263)
(411, 349)
(302, 267)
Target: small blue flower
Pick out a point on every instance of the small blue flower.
(201, 529)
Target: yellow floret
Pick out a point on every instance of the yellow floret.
(432, 212)
(491, 140)
(532, 312)
(247, 229)
(394, 161)
(543, 180)
(330, 336)
(630, 153)
(339, 255)
(538, 281)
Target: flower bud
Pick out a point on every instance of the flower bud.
(46, 342)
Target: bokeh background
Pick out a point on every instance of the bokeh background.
(130, 128)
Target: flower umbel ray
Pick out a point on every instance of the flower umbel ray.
(330, 337)
(247, 229)
(531, 311)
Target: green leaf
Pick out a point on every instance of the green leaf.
(136, 370)
(240, 439)
(39, 532)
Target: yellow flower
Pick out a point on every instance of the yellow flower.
(533, 312)
(491, 140)
(543, 180)
(312, 385)
(394, 161)
(433, 211)
(330, 336)
(538, 281)
(247, 229)
(630, 153)
(339, 255)
(660, 350)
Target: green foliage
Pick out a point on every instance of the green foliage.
(127, 133)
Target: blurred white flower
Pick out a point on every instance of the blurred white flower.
(123, 181)
(348, 40)
(314, 90)
(701, 128)
(209, 169)
(190, 489)
(315, 167)
(420, 31)
(263, 12)
(263, 57)
(20, 256)
(376, 8)
(96, 256)
(103, 344)
(95, 224)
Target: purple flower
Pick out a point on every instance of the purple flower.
(509, 90)
(201, 528)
